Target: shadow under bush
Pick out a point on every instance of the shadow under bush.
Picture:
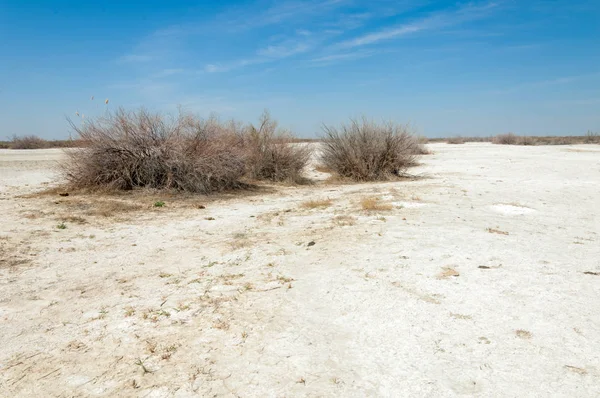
(367, 151)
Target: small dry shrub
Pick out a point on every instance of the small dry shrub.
(28, 142)
(127, 150)
(367, 151)
(274, 154)
(456, 140)
(506, 139)
(375, 204)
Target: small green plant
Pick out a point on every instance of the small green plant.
(160, 203)
(62, 225)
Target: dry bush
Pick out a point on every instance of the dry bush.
(317, 203)
(366, 151)
(456, 140)
(28, 142)
(127, 150)
(506, 139)
(374, 204)
(274, 154)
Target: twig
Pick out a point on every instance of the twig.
(48, 374)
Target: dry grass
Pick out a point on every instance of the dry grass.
(366, 151)
(496, 231)
(523, 334)
(375, 204)
(448, 272)
(72, 219)
(97, 207)
(317, 204)
(576, 369)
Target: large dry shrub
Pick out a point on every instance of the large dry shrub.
(28, 142)
(364, 151)
(125, 150)
(273, 154)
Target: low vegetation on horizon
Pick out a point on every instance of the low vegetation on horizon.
(514, 139)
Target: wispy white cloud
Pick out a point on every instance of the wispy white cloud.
(383, 35)
(435, 21)
(327, 60)
(276, 51)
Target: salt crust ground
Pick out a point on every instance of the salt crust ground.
(483, 280)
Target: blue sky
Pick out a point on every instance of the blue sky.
(445, 67)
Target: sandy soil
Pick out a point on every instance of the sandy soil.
(482, 280)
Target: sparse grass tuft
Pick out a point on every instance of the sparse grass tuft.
(344, 221)
(73, 219)
(160, 203)
(367, 151)
(62, 225)
(374, 204)
(523, 334)
(317, 204)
